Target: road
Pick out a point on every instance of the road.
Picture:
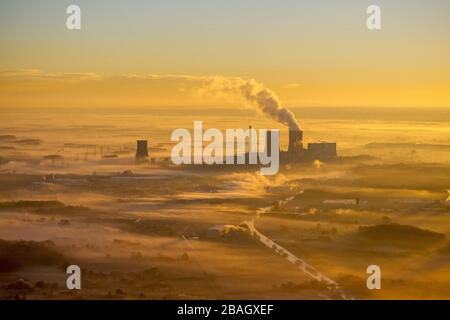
(300, 263)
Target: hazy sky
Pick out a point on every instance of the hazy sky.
(309, 52)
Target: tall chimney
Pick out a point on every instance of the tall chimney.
(250, 139)
(141, 151)
(269, 142)
(295, 141)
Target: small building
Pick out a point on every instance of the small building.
(220, 230)
(216, 231)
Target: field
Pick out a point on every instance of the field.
(70, 193)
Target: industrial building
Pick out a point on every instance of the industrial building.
(297, 152)
(314, 151)
(322, 150)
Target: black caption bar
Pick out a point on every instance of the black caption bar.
(226, 309)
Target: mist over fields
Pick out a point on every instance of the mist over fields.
(71, 193)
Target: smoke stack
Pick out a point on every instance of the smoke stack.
(269, 143)
(141, 151)
(295, 141)
(250, 139)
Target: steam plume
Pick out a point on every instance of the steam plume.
(255, 93)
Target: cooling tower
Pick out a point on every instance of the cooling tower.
(295, 141)
(141, 151)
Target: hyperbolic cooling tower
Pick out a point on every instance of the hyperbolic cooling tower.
(295, 141)
(141, 151)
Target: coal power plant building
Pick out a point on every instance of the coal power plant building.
(315, 151)
(322, 150)
(297, 152)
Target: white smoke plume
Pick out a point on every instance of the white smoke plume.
(255, 93)
(249, 89)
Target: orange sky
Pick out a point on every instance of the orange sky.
(153, 53)
(34, 88)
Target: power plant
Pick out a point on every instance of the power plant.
(297, 152)
(314, 151)
(141, 151)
